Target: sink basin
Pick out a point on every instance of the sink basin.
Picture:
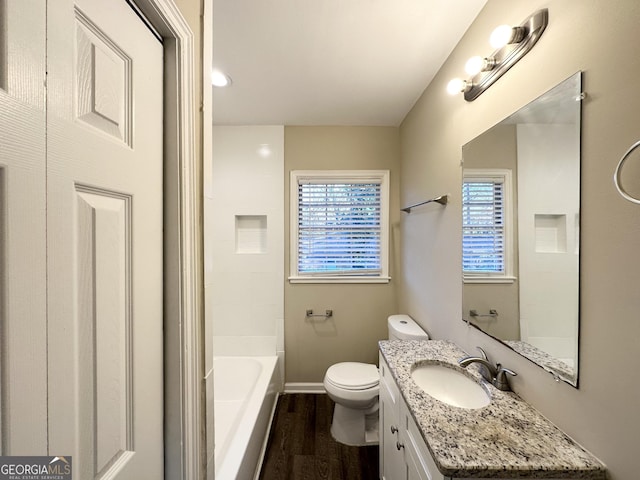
(450, 386)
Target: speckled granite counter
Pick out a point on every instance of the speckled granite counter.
(505, 439)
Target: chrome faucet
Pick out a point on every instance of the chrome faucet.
(497, 374)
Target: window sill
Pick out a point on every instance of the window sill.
(480, 279)
(339, 279)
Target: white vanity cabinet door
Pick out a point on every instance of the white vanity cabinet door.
(392, 464)
(420, 464)
(414, 470)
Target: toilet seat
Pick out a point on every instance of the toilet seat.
(353, 375)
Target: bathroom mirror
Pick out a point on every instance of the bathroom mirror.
(521, 230)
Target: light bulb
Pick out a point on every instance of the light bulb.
(501, 36)
(219, 79)
(456, 86)
(474, 65)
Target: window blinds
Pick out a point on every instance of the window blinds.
(483, 227)
(339, 228)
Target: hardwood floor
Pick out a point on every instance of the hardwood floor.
(300, 445)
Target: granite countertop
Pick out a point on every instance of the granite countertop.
(506, 439)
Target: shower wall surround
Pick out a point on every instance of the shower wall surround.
(245, 240)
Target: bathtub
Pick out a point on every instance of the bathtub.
(245, 391)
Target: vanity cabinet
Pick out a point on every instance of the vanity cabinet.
(403, 453)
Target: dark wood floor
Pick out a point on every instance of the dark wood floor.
(301, 447)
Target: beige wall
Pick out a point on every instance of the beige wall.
(598, 37)
(359, 311)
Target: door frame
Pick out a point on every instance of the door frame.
(184, 435)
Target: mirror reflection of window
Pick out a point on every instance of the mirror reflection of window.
(486, 225)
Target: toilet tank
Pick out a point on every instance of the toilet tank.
(403, 327)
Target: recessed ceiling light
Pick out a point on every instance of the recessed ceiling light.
(219, 79)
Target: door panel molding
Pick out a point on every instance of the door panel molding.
(104, 81)
(104, 286)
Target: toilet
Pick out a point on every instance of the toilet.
(354, 387)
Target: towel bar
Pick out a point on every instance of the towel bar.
(442, 200)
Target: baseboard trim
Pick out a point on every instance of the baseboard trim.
(304, 388)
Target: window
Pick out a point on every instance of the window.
(339, 226)
(486, 226)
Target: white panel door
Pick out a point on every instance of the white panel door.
(23, 333)
(104, 220)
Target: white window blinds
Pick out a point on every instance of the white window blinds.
(339, 228)
(483, 226)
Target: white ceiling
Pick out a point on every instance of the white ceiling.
(330, 62)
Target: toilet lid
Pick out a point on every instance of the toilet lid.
(353, 375)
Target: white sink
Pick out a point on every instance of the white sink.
(449, 385)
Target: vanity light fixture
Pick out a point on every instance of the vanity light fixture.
(512, 43)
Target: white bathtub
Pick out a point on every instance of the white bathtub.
(245, 391)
